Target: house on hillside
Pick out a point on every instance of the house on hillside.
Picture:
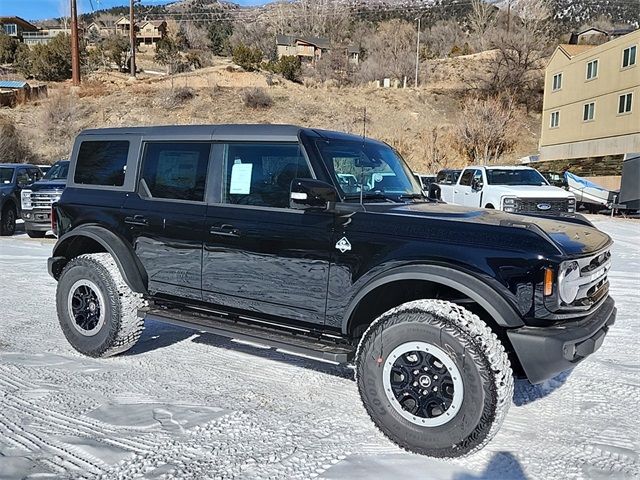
(591, 95)
(44, 35)
(307, 49)
(99, 29)
(148, 32)
(597, 36)
(16, 27)
(151, 31)
(310, 49)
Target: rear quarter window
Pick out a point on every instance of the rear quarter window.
(102, 163)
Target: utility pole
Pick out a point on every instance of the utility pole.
(75, 47)
(508, 16)
(132, 34)
(418, 53)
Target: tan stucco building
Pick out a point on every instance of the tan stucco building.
(591, 100)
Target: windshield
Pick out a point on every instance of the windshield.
(515, 177)
(6, 175)
(59, 171)
(373, 169)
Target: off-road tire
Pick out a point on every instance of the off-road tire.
(476, 352)
(36, 233)
(122, 327)
(8, 221)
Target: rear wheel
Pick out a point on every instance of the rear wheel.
(8, 221)
(434, 378)
(96, 309)
(36, 234)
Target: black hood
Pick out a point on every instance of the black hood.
(573, 237)
(48, 185)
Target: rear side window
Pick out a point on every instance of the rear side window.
(102, 163)
(175, 171)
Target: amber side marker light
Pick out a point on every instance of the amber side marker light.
(548, 282)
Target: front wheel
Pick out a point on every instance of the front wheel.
(8, 221)
(434, 378)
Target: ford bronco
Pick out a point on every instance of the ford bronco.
(251, 232)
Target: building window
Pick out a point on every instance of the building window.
(557, 81)
(589, 111)
(624, 103)
(555, 119)
(10, 29)
(629, 56)
(592, 69)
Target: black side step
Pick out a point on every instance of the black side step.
(297, 341)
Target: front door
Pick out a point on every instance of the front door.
(260, 256)
(165, 216)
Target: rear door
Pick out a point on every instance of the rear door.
(261, 256)
(165, 215)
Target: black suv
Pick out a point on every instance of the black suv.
(13, 178)
(247, 231)
(38, 198)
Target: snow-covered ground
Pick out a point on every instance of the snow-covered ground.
(184, 404)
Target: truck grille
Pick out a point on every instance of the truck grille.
(532, 205)
(593, 281)
(44, 199)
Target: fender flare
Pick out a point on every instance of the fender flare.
(504, 314)
(130, 267)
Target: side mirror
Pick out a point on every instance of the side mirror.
(307, 193)
(476, 184)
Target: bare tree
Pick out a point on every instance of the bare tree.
(390, 51)
(64, 9)
(485, 131)
(482, 19)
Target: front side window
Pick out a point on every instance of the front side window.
(176, 171)
(592, 69)
(625, 103)
(555, 119)
(557, 81)
(369, 169)
(102, 163)
(260, 174)
(589, 111)
(22, 178)
(629, 56)
(467, 177)
(529, 176)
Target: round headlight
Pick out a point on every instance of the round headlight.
(567, 285)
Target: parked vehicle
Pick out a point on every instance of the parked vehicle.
(37, 199)
(248, 231)
(630, 186)
(425, 180)
(515, 189)
(588, 194)
(13, 178)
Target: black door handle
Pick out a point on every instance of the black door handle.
(225, 229)
(136, 220)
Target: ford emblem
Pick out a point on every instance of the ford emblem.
(543, 206)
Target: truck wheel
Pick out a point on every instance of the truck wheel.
(36, 234)
(8, 221)
(96, 309)
(434, 378)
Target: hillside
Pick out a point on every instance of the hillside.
(407, 119)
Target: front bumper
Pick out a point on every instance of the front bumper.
(546, 351)
(37, 220)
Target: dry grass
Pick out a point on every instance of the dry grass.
(256, 98)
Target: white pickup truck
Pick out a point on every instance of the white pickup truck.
(514, 189)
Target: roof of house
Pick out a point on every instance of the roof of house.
(353, 49)
(291, 40)
(19, 21)
(13, 84)
(155, 23)
(571, 50)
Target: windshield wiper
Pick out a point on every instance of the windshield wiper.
(374, 196)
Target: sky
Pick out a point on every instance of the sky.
(42, 9)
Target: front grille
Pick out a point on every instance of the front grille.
(44, 199)
(593, 282)
(532, 205)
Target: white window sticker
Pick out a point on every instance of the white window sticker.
(241, 179)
